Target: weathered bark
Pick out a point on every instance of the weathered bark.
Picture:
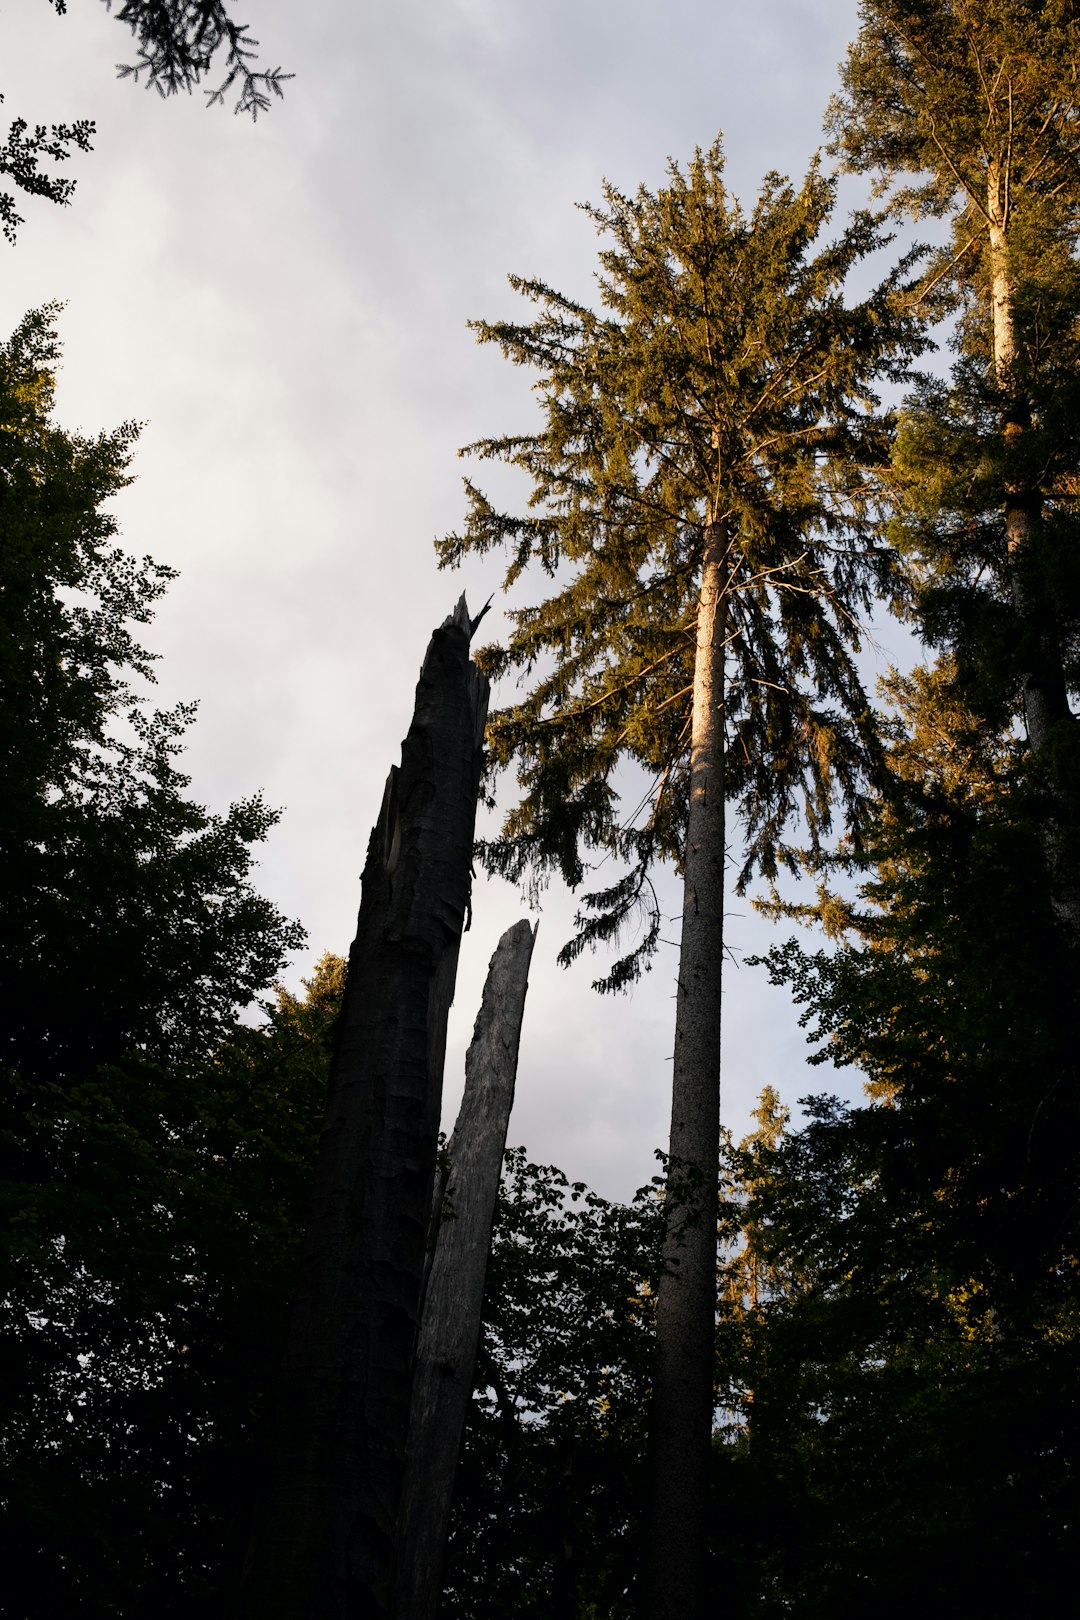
(680, 1431)
(1045, 691)
(450, 1323)
(322, 1546)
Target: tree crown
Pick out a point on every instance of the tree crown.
(725, 381)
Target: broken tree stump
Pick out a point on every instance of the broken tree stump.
(322, 1547)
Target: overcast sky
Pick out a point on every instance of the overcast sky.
(284, 306)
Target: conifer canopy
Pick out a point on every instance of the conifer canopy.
(726, 380)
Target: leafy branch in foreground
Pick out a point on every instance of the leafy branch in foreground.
(21, 156)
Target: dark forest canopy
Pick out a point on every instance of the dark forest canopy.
(147, 1140)
(897, 1310)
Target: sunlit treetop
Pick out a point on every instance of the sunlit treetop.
(729, 381)
(965, 106)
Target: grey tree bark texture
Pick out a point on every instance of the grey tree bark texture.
(322, 1546)
(680, 1425)
(450, 1321)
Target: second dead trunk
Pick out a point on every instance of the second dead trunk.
(680, 1431)
(450, 1324)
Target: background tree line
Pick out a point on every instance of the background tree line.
(892, 1324)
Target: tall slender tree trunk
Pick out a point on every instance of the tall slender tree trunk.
(323, 1543)
(1046, 699)
(450, 1325)
(680, 1433)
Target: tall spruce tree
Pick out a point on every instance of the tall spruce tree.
(968, 109)
(702, 480)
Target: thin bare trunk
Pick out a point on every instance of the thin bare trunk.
(450, 1325)
(322, 1546)
(680, 1434)
(1045, 693)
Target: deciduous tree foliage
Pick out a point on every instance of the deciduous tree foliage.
(141, 1129)
(128, 916)
(702, 484)
(21, 157)
(548, 1503)
(145, 1294)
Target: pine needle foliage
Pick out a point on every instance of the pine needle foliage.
(937, 94)
(920, 1395)
(970, 109)
(725, 380)
(179, 40)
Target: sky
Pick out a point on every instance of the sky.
(284, 307)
